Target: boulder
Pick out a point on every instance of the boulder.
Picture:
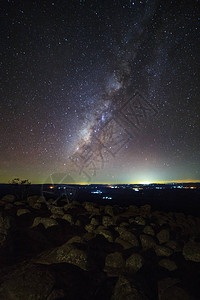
(90, 227)
(4, 228)
(8, 198)
(34, 282)
(76, 239)
(95, 222)
(107, 221)
(124, 244)
(130, 238)
(191, 251)
(125, 290)
(22, 211)
(168, 264)
(168, 290)
(163, 251)
(67, 253)
(147, 241)
(106, 233)
(108, 210)
(36, 201)
(163, 236)
(68, 218)
(114, 260)
(134, 262)
(149, 230)
(46, 222)
(140, 220)
(57, 210)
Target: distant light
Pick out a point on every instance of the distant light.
(51, 187)
(106, 197)
(136, 190)
(96, 192)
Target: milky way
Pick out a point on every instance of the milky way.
(100, 92)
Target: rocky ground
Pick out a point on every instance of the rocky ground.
(54, 251)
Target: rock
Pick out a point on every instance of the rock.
(67, 253)
(148, 230)
(107, 221)
(91, 208)
(130, 238)
(124, 224)
(8, 198)
(88, 236)
(36, 201)
(175, 293)
(22, 211)
(163, 251)
(140, 220)
(114, 260)
(4, 228)
(57, 210)
(174, 245)
(191, 251)
(167, 290)
(90, 227)
(95, 222)
(47, 222)
(78, 223)
(168, 264)
(124, 244)
(8, 206)
(163, 236)
(145, 210)
(134, 262)
(56, 295)
(108, 210)
(106, 233)
(147, 241)
(68, 218)
(34, 283)
(18, 203)
(76, 239)
(124, 290)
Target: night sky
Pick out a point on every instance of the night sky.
(99, 91)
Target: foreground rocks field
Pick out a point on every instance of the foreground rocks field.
(54, 251)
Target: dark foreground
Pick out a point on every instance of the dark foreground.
(83, 250)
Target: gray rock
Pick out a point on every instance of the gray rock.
(47, 222)
(124, 244)
(67, 253)
(130, 238)
(114, 260)
(33, 283)
(107, 221)
(90, 227)
(4, 228)
(163, 236)
(124, 290)
(22, 211)
(57, 210)
(149, 230)
(134, 262)
(8, 198)
(68, 218)
(106, 233)
(191, 251)
(163, 251)
(168, 264)
(147, 241)
(140, 220)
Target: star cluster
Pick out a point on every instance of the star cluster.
(95, 91)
